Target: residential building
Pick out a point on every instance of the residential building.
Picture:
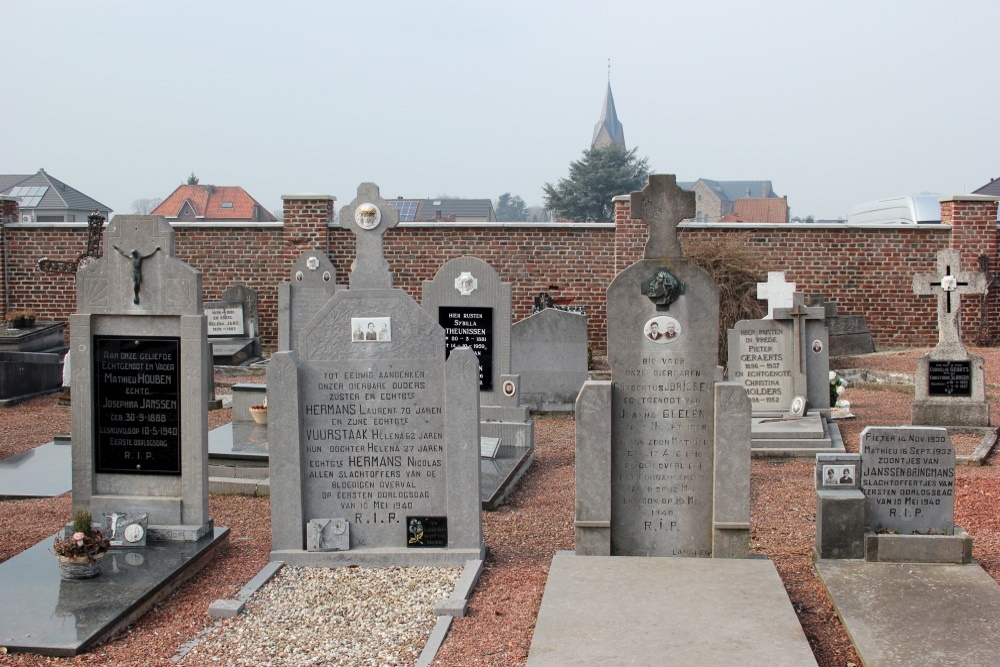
(445, 210)
(212, 203)
(44, 198)
(715, 200)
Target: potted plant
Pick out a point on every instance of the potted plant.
(21, 319)
(259, 413)
(80, 554)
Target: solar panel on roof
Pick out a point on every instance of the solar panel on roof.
(407, 210)
(30, 195)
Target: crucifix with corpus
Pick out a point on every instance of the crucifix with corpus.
(949, 283)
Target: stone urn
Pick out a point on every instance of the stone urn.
(80, 567)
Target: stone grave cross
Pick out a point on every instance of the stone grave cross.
(798, 314)
(662, 205)
(948, 280)
(369, 216)
(776, 291)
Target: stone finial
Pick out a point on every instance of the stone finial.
(369, 216)
(662, 205)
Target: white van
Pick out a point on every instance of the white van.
(910, 210)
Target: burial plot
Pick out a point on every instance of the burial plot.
(31, 358)
(375, 434)
(784, 364)
(468, 299)
(950, 385)
(671, 422)
(233, 329)
(141, 377)
(663, 469)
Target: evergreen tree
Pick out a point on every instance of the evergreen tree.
(511, 208)
(594, 180)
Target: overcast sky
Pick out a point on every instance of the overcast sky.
(836, 103)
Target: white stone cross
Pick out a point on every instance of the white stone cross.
(777, 292)
(949, 280)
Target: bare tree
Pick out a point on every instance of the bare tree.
(145, 206)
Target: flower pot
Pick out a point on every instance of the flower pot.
(79, 567)
(259, 414)
(20, 323)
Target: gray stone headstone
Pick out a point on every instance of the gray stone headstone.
(379, 430)
(949, 384)
(141, 373)
(313, 282)
(761, 358)
(663, 320)
(469, 300)
(908, 478)
(549, 352)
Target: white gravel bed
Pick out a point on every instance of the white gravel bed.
(332, 616)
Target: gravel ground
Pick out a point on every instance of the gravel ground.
(522, 536)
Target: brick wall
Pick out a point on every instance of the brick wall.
(866, 270)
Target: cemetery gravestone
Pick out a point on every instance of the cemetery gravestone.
(371, 428)
(679, 441)
(141, 376)
(233, 329)
(908, 478)
(549, 353)
(950, 384)
(311, 286)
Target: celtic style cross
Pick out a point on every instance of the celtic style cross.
(369, 216)
(949, 280)
(662, 205)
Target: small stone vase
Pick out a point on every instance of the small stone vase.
(79, 567)
(259, 414)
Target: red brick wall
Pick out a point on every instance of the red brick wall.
(866, 270)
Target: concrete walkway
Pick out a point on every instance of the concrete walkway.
(666, 611)
(915, 614)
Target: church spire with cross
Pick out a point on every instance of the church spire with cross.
(608, 131)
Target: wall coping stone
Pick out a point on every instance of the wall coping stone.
(312, 196)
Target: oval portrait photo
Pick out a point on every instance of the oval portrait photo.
(662, 329)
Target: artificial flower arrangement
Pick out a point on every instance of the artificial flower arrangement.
(86, 543)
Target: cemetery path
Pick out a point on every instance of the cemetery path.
(523, 534)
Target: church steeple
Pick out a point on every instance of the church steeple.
(608, 131)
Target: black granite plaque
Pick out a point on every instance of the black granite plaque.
(137, 412)
(949, 378)
(471, 326)
(426, 531)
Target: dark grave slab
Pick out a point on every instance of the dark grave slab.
(46, 337)
(65, 618)
(42, 472)
(24, 375)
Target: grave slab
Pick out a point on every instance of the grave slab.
(65, 618)
(608, 610)
(916, 614)
(42, 472)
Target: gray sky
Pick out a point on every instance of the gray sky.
(836, 103)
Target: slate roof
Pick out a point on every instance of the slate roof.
(213, 202)
(608, 130)
(58, 195)
(992, 188)
(461, 210)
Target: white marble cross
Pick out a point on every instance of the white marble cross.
(947, 281)
(777, 292)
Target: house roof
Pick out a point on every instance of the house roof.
(213, 202)
(992, 188)
(426, 210)
(40, 191)
(608, 130)
(730, 191)
(758, 209)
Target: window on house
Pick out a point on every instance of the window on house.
(51, 218)
(226, 204)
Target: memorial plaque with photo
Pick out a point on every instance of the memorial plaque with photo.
(374, 446)
(949, 378)
(472, 327)
(137, 399)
